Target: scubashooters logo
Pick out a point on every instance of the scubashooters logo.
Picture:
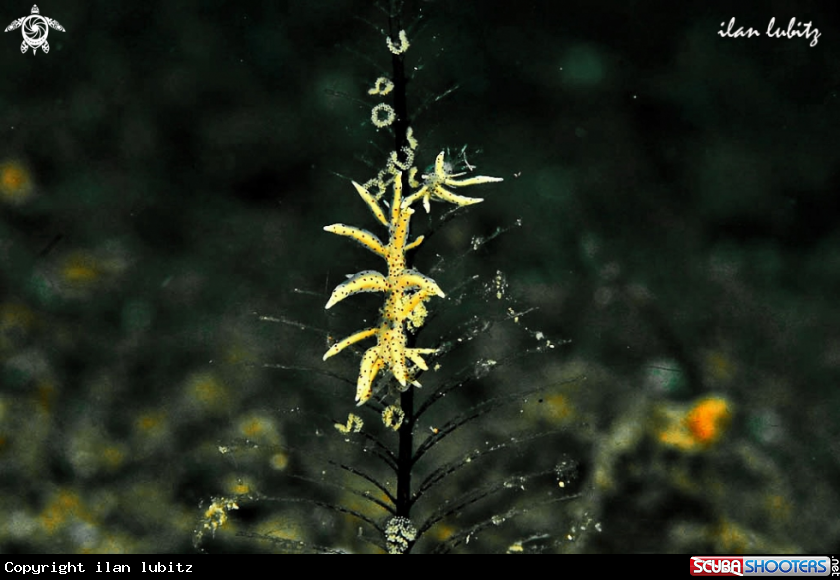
(760, 566)
(716, 566)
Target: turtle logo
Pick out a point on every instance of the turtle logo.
(35, 29)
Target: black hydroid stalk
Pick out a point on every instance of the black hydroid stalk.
(405, 451)
(405, 455)
(402, 122)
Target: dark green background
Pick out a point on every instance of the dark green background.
(678, 193)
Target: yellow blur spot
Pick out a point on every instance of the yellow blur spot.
(46, 393)
(444, 531)
(279, 461)
(64, 507)
(259, 427)
(731, 537)
(778, 507)
(240, 488)
(208, 391)
(149, 421)
(558, 408)
(15, 182)
(238, 354)
(113, 456)
(80, 268)
(15, 317)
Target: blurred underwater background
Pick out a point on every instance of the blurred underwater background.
(671, 207)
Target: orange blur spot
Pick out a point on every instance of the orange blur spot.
(694, 427)
(708, 419)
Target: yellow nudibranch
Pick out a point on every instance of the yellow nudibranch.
(406, 290)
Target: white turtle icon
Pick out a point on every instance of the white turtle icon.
(35, 30)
